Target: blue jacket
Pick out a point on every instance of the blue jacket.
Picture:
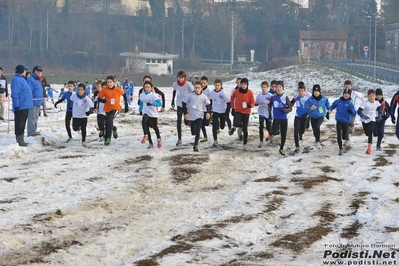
(345, 110)
(321, 107)
(21, 93)
(37, 89)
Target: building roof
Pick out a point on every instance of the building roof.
(325, 35)
(149, 55)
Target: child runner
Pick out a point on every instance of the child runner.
(156, 90)
(220, 102)
(99, 105)
(181, 88)
(379, 126)
(232, 129)
(205, 122)
(68, 114)
(111, 95)
(193, 108)
(279, 107)
(368, 111)
(262, 101)
(345, 111)
(357, 98)
(394, 103)
(82, 108)
(150, 101)
(301, 115)
(242, 101)
(50, 93)
(318, 107)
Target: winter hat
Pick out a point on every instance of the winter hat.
(245, 80)
(348, 91)
(20, 69)
(280, 82)
(378, 92)
(37, 68)
(316, 87)
(348, 82)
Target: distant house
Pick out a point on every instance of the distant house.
(151, 63)
(323, 44)
(392, 43)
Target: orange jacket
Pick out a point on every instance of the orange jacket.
(240, 101)
(112, 97)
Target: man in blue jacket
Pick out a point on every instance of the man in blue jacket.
(37, 94)
(21, 102)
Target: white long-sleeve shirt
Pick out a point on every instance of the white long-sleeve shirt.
(80, 106)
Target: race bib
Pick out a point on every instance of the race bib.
(112, 102)
(244, 105)
(321, 109)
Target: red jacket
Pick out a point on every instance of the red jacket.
(242, 102)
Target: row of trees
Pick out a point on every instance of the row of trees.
(89, 34)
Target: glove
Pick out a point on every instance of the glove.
(269, 119)
(172, 104)
(149, 104)
(365, 117)
(305, 115)
(233, 112)
(293, 101)
(249, 105)
(55, 105)
(393, 119)
(285, 110)
(126, 108)
(328, 116)
(186, 122)
(378, 118)
(16, 109)
(88, 113)
(102, 100)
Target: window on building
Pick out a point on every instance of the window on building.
(305, 44)
(164, 61)
(153, 61)
(148, 61)
(336, 46)
(311, 46)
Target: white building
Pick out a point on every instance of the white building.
(151, 63)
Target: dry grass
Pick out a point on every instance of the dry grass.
(308, 183)
(352, 230)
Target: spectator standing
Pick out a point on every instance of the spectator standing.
(3, 93)
(21, 103)
(37, 94)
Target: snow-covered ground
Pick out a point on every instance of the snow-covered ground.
(64, 204)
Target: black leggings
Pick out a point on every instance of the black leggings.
(316, 123)
(342, 133)
(242, 120)
(68, 118)
(205, 123)
(109, 124)
(218, 120)
(20, 118)
(283, 125)
(227, 117)
(299, 128)
(196, 129)
(80, 123)
(368, 129)
(262, 121)
(150, 122)
(179, 120)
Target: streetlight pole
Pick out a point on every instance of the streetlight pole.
(307, 51)
(375, 42)
(182, 38)
(370, 37)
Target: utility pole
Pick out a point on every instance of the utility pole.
(182, 38)
(232, 44)
(47, 31)
(375, 42)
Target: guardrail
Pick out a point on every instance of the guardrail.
(356, 66)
